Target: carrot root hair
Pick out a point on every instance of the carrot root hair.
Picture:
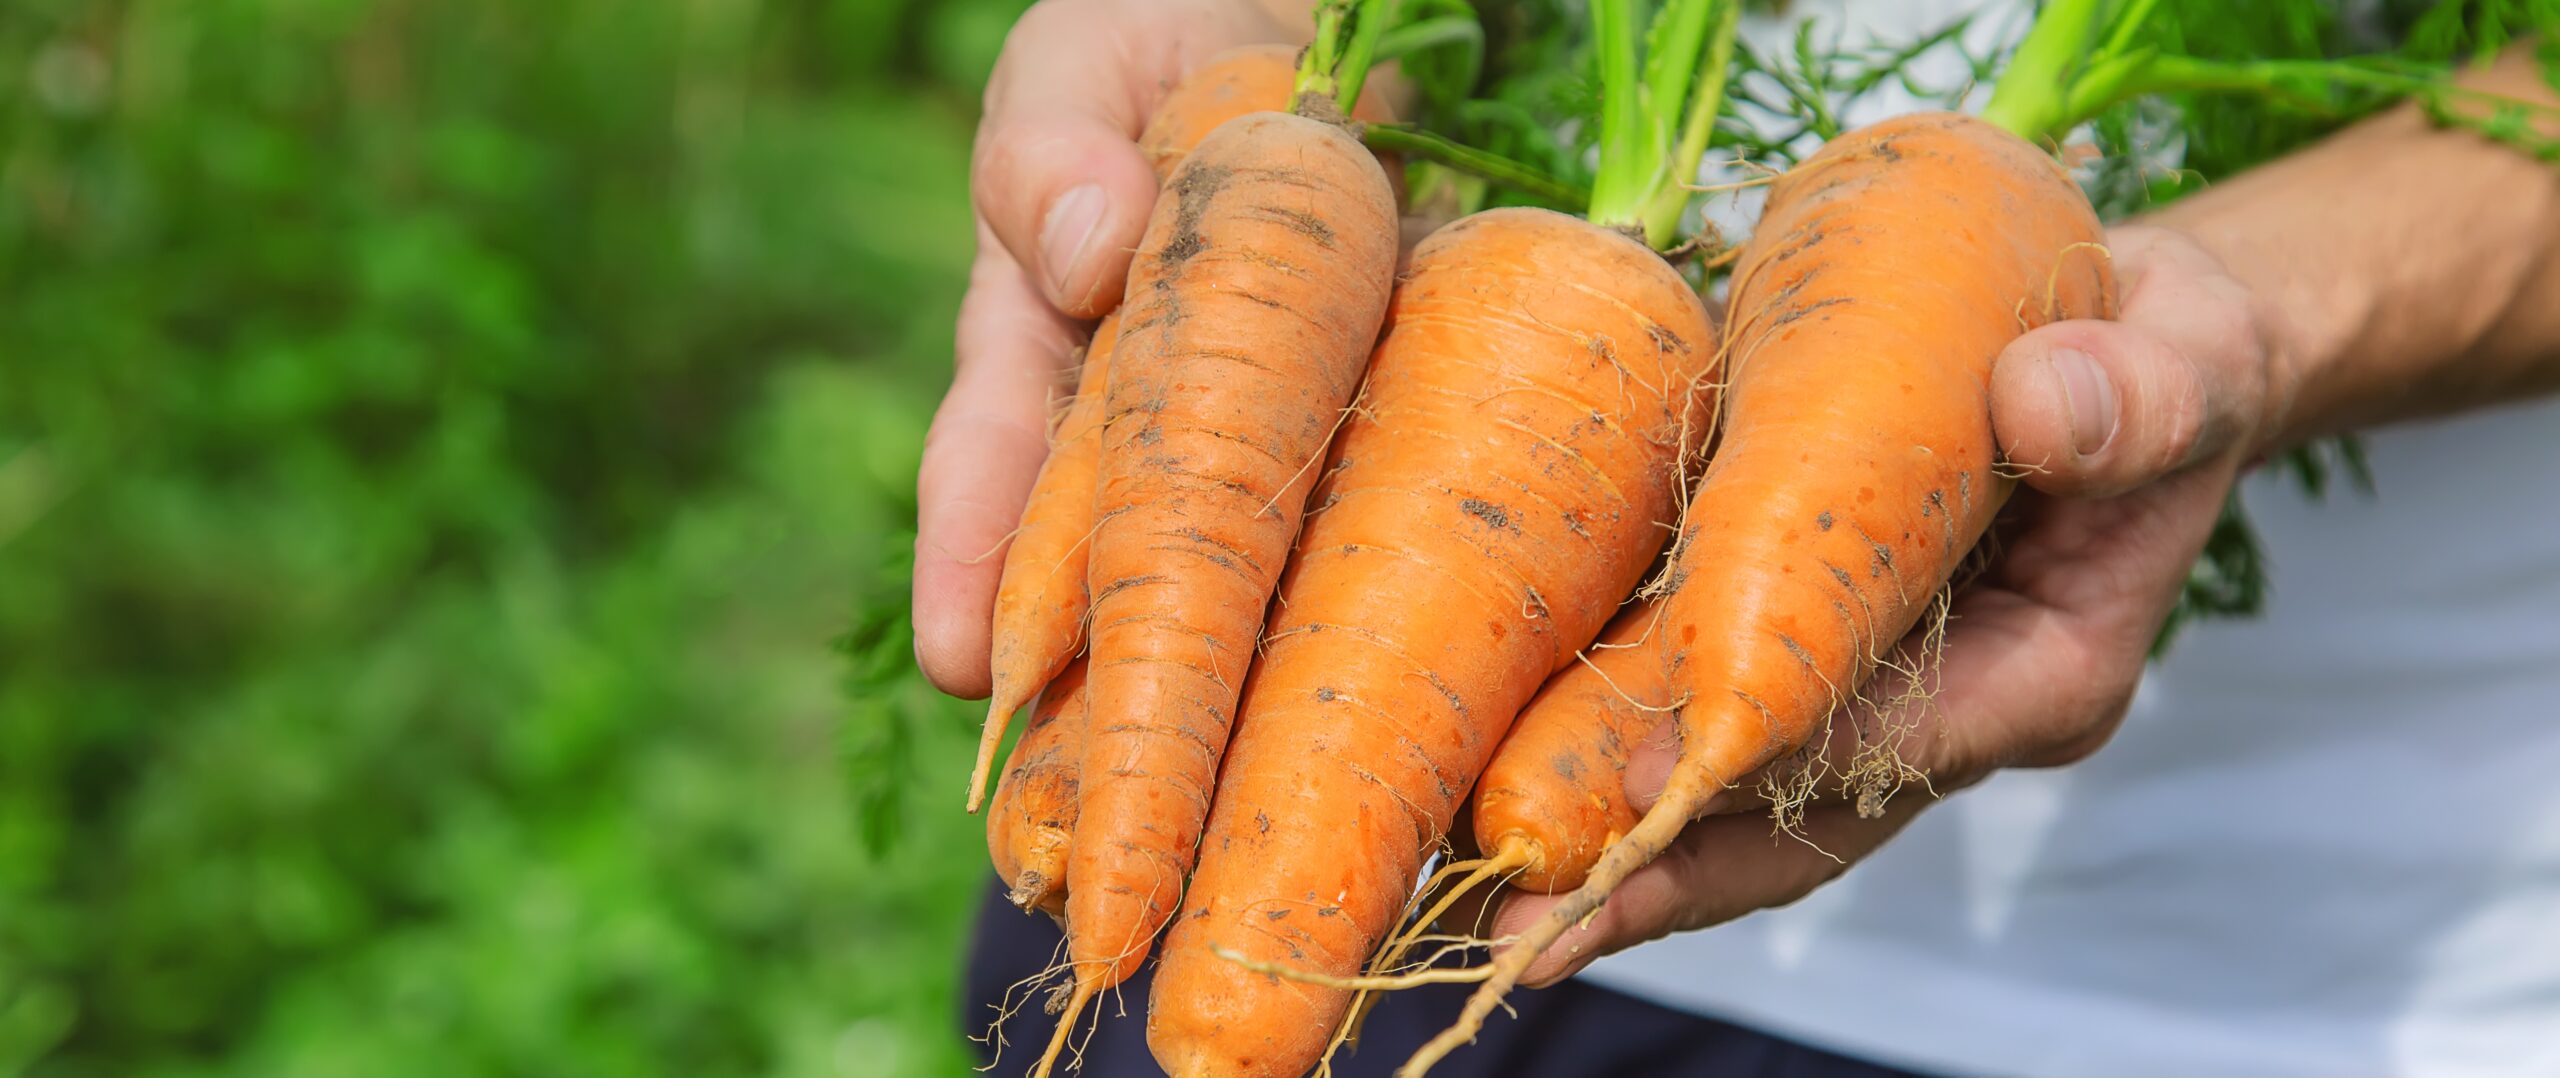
(1029, 891)
(1877, 771)
(1880, 768)
(1388, 971)
(1083, 993)
(1009, 1005)
(1651, 836)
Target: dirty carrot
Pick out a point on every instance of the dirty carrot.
(1854, 472)
(1041, 599)
(1555, 795)
(1041, 602)
(1238, 82)
(1034, 813)
(1514, 466)
(1253, 300)
(1507, 476)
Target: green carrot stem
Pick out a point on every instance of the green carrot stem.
(2030, 98)
(1427, 34)
(1337, 61)
(1671, 62)
(1414, 142)
(2128, 24)
(1368, 25)
(1618, 193)
(1662, 217)
(1323, 55)
(2303, 84)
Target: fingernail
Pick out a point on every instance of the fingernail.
(1064, 234)
(2089, 397)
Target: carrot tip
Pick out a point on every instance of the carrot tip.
(999, 719)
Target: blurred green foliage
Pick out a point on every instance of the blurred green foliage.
(438, 441)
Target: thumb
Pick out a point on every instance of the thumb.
(1057, 174)
(2095, 408)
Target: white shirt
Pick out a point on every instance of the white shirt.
(2325, 842)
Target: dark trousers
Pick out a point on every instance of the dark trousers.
(1573, 1030)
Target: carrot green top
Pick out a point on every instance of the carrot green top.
(1658, 105)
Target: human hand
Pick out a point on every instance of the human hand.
(2131, 433)
(1062, 194)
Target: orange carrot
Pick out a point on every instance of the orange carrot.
(1254, 298)
(1555, 794)
(1507, 477)
(1035, 807)
(1238, 82)
(1855, 470)
(1041, 600)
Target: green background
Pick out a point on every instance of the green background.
(439, 443)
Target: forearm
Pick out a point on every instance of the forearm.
(2409, 269)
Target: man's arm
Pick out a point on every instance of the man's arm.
(2404, 269)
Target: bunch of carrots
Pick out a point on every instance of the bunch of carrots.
(1326, 552)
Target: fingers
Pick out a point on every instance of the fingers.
(1721, 868)
(1057, 173)
(2092, 408)
(2020, 685)
(2011, 683)
(980, 457)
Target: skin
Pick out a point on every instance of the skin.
(2394, 272)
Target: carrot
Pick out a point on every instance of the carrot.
(1254, 297)
(1855, 470)
(1508, 475)
(1042, 600)
(1035, 807)
(1555, 794)
(1238, 82)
